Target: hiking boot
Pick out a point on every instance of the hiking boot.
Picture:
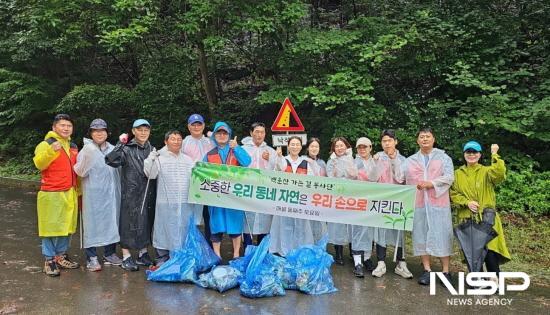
(380, 270)
(369, 265)
(112, 259)
(50, 268)
(144, 260)
(93, 264)
(424, 278)
(63, 262)
(448, 276)
(402, 270)
(358, 271)
(129, 264)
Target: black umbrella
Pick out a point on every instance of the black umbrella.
(473, 237)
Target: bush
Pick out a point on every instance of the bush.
(525, 193)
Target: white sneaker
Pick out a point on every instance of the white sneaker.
(93, 264)
(402, 270)
(380, 269)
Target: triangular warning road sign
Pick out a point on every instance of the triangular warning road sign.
(283, 121)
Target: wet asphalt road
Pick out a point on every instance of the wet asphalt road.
(25, 289)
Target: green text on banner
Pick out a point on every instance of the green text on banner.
(305, 197)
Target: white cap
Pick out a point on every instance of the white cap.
(363, 141)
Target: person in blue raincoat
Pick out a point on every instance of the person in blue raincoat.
(224, 220)
(100, 197)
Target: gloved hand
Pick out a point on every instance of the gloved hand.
(123, 138)
(153, 155)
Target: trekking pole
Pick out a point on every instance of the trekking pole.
(397, 246)
(249, 229)
(147, 187)
(81, 236)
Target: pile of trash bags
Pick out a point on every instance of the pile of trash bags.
(185, 264)
(257, 274)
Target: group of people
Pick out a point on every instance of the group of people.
(136, 196)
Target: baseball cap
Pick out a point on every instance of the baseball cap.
(363, 141)
(141, 122)
(223, 128)
(98, 123)
(472, 145)
(195, 118)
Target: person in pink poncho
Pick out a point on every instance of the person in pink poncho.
(432, 172)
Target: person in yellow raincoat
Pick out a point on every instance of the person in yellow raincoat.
(474, 190)
(57, 200)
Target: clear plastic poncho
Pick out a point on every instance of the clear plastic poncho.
(172, 212)
(258, 223)
(432, 226)
(100, 195)
(340, 167)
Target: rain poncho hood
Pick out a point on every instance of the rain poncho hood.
(217, 127)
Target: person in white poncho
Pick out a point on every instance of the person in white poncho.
(196, 145)
(340, 165)
(172, 169)
(100, 197)
(289, 233)
(263, 157)
(387, 170)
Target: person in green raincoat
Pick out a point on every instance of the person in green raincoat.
(474, 190)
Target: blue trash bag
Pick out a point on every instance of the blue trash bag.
(196, 246)
(186, 263)
(179, 268)
(241, 263)
(308, 269)
(263, 276)
(221, 278)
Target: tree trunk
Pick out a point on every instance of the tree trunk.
(207, 82)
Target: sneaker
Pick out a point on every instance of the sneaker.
(448, 276)
(113, 260)
(129, 264)
(380, 270)
(358, 271)
(64, 262)
(369, 265)
(144, 260)
(424, 279)
(93, 264)
(50, 268)
(402, 270)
